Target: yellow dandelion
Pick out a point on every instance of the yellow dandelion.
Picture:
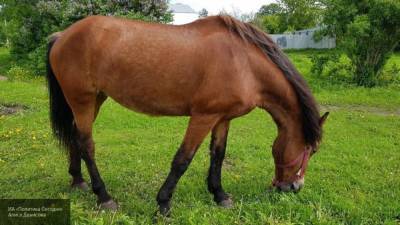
(33, 137)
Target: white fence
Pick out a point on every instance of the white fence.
(302, 40)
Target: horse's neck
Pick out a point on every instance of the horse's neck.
(288, 120)
(280, 100)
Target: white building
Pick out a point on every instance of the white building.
(183, 14)
(303, 39)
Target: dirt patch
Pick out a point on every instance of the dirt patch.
(3, 78)
(9, 109)
(362, 108)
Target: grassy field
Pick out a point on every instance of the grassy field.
(354, 179)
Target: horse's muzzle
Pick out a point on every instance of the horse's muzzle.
(294, 186)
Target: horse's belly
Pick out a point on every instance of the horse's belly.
(154, 100)
(155, 108)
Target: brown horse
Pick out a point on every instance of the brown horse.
(213, 70)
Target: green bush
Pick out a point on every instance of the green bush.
(337, 68)
(333, 67)
(3, 36)
(390, 76)
(17, 73)
(36, 60)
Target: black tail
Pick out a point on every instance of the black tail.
(62, 119)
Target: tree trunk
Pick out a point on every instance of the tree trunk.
(369, 66)
(365, 75)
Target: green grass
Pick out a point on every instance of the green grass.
(354, 179)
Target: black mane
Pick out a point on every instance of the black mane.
(310, 113)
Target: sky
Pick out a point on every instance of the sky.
(215, 6)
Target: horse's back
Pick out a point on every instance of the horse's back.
(153, 68)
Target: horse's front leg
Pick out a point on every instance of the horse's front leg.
(199, 127)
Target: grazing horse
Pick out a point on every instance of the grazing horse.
(213, 70)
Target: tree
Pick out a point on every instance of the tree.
(203, 13)
(32, 21)
(301, 14)
(289, 15)
(367, 30)
(273, 24)
(270, 9)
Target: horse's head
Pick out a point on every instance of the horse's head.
(291, 160)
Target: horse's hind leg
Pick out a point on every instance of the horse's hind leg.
(199, 127)
(217, 153)
(75, 167)
(75, 155)
(85, 111)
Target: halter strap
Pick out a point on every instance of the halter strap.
(305, 157)
(292, 163)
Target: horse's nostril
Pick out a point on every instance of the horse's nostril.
(293, 187)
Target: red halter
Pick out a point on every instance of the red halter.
(305, 156)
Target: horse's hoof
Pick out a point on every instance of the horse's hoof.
(161, 218)
(81, 186)
(109, 205)
(227, 203)
(165, 210)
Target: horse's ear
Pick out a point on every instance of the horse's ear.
(323, 119)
